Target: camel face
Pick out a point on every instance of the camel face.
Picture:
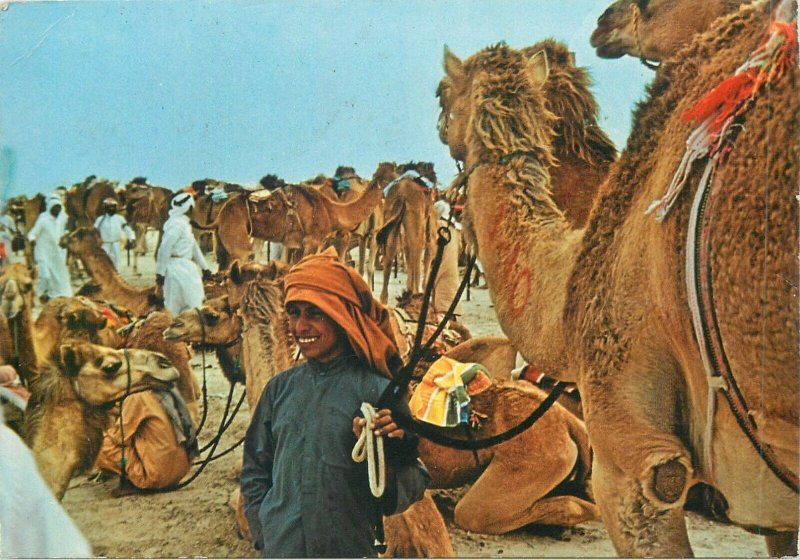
(242, 276)
(653, 29)
(214, 323)
(454, 102)
(81, 237)
(16, 288)
(101, 375)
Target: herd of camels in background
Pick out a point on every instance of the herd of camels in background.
(586, 285)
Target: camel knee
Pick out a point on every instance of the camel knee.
(669, 480)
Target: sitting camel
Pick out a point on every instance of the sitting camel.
(298, 216)
(70, 401)
(544, 487)
(409, 205)
(86, 244)
(266, 350)
(16, 323)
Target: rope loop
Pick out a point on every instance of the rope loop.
(445, 235)
(369, 447)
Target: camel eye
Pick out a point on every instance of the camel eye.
(111, 369)
(163, 362)
(211, 319)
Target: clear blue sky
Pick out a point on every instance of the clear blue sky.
(181, 90)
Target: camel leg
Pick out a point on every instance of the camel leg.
(782, 545)
(389, 252)
(362, 253)
(413, 256)
(508, 495)
(236, 502)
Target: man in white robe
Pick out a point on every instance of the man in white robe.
(178, 259)
(50, 257)
(111, 227)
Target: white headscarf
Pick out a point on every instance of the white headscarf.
(181, 204)
(52, 201)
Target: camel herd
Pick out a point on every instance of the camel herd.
(680, 330)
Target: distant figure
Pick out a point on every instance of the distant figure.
(32, 522)
(51, 259)
(111, 226)
(177, 260)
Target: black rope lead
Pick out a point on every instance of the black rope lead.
(205, 387)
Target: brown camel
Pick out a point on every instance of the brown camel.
(207, 208)
(300, 217)
(16, 304)
(85, 199)
(657, 29)
(85, 243)
(409, 206)
(25, 212)
(626, 328)
(145, 206)
(70, 400)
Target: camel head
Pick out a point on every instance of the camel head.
(101, 375)
(243, 275)
(479, 120)
(16, 290)
(80, 317)
(654, 29)
(82, 240)
(215, 323)
(385, 173)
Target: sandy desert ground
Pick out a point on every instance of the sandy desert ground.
(196, 520)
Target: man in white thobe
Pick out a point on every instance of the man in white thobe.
(111, 227)
(178, 258)
(50, 257)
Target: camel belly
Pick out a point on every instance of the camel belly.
(755, 496)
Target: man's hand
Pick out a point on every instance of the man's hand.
(159, 280)
(129, 244)
(383, 424)
(207, 275)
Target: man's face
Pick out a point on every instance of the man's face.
(111, 210)
(55, 210)
(317, 336)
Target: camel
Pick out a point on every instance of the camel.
(25, 211)
(16, 304)
(145, 206)
(654, 30)
(85, 200)
(85, 243)
(298, 216)
(70, 402)
(626, 329)
(408, 206)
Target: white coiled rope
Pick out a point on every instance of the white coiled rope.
(370, 448)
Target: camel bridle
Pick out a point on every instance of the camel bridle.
(636, 14)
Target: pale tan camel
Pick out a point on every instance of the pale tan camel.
(263, 327)
(85, 243)
(16, 304)
(297, 216)
(657, 29)
(408, 207)
(70, 400)
(609, 302)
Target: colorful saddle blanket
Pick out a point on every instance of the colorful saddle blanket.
(442, 397)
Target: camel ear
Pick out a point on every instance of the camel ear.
(539, 67)
(453, 66)
(236, 273)
(571, 58)
(69, 360)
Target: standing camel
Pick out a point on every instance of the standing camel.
(145, 206)
(611, 301)
(409, 206)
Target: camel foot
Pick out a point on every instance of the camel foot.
(782, 545)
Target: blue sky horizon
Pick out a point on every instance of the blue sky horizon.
(181, 90)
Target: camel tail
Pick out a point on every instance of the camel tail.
(392, 222)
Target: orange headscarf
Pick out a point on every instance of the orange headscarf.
(341, 293)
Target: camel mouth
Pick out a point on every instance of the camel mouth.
(10, 311)
(605, 45)
(171, 334)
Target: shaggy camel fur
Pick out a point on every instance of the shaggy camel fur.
(626, 328)
(408, 206)
(656, 29)
(70, 400)
(297, 216)
(85, 243)
(16, 303)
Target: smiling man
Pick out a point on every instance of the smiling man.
(304, 495)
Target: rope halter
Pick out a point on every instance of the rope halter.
(369, 447)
